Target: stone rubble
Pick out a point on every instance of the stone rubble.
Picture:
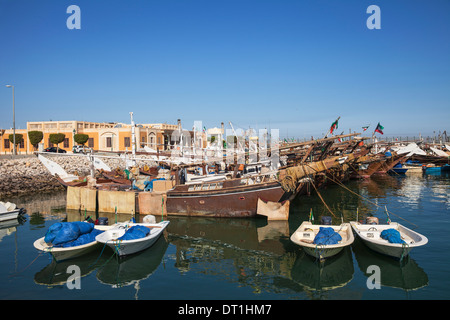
(25, 175)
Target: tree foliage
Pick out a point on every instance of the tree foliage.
(81, 138)
(19, 138)
(57, 138)
(35, 137)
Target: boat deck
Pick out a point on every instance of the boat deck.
(307, 233)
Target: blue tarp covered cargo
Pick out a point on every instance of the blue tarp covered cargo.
(327, 235)
(65, 232)
(391, 235)
(135, 232)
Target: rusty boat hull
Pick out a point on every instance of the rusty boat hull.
(230, 199)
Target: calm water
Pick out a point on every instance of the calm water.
(243, 258)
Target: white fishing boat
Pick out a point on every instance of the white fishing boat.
(118, 241)
(9, 211)
(305, 236)
(374, 237)
(65, 253)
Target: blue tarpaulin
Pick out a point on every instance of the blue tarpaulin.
(63, 232)
(327, 235)
(82, 239)
(391, 235)
(135, 232)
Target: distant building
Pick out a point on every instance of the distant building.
(105, 136)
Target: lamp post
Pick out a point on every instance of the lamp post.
(14, 120)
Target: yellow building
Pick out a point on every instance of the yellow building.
(113, 137)
(6, 145)
(102, 136)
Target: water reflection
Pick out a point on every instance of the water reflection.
(129, 270)
(406, 275)
(318, 277)
(253, 253)
(411, 191)
(112, 271)
(55, 273)
(8, 227)
(250, 252)
(49, 205)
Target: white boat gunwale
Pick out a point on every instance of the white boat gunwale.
(122, 247)
(405, 233)
(64, 253)
(373, 240)
(129, 225)
(319, 250)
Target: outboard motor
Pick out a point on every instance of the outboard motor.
(371, 220)
(326, 220)
(103, 221)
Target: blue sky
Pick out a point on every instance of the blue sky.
(289, 65)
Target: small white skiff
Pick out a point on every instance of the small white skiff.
(60, 254)
(126, 247)
(9, 211)
(370, 234)
(305, 234)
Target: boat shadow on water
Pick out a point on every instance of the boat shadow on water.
(330, 274)
(111, 270)
(252, 252)
(405, 274)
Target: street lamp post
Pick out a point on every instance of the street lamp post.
(14, 120)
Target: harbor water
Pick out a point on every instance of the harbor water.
(241, 259)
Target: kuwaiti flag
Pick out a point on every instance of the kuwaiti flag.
(311, 216)
(365, 128)
(379, 128)
(334, 126)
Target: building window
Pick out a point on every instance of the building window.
(127, 142)
(6, 143)
(108, 142)
(50, 144)
(91, 142)
(66, 142)
(22, 144)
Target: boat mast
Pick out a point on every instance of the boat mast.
(133, 141)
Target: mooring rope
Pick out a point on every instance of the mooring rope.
(16, 273)
(364, 198)
(320, 196)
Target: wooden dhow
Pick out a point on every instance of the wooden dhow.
(238, 197)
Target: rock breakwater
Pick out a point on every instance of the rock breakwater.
(25, 175)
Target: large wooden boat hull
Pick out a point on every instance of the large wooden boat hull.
(238, 202)
(371, 169)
